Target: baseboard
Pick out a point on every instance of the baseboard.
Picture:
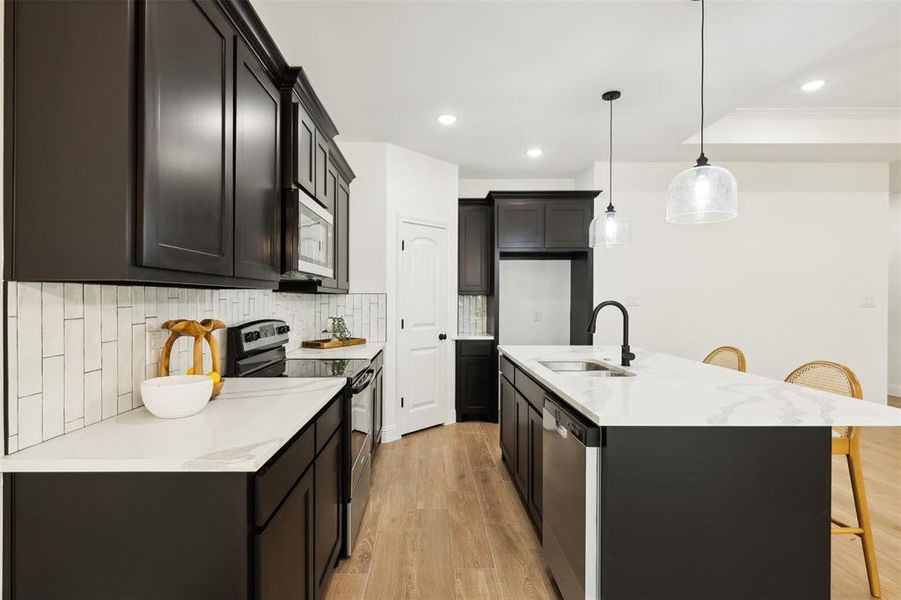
(894, 389)
(451, 418)
(390, 434)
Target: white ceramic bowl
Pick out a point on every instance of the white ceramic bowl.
(176, 396)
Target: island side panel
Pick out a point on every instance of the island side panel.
(715, 513)
(126, 535)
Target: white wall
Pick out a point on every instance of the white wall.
(393, 182)
(368, 227)
(894, 281)
(530, 313)
(784, 281)
(479, 188)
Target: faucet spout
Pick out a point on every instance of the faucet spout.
(627, 355)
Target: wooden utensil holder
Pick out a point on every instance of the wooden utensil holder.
(200, 331)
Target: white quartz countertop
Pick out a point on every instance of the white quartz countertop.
(365, 351)
(238, 431)
(473, 336)
(671, 391)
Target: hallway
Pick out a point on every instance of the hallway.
(443, 522)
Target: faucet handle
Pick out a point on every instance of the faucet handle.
(627, 356)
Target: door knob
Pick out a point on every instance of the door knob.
(442, 336)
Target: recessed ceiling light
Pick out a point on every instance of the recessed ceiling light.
(534, 152)
(447, 120)
(813, 86)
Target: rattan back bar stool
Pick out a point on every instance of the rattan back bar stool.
(839, 379)
(729, 357)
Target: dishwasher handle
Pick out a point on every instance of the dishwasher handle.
(568, 424)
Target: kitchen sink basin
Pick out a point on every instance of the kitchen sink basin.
(589, 368)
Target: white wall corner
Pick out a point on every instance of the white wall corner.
(390, 433)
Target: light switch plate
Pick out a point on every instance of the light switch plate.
(868, 302)
(632, 300)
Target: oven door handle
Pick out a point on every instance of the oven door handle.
(364, 383)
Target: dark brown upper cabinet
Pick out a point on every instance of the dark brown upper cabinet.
(520, 225)
(566, 224)
(324, 189)
(257, 185)
(304, 135)
(543, 221)
(150, 108)
(342, 233)
(475, 249)
(185, 205)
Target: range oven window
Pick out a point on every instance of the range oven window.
(360, 420)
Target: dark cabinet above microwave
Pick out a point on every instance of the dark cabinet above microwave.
(115, 182)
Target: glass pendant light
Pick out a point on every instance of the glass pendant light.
(704, 193)
(613, 229)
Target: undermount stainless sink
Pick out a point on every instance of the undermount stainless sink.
(590, 368)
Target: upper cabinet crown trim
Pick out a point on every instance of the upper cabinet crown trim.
(545, 195)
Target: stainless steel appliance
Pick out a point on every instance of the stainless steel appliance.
(571, 534)
(312, 237)
(257, 349)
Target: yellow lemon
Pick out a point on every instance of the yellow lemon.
(190, 371)
(214, 376)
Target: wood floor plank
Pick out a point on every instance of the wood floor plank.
(389, 563)
(469, 539)
(347, 586)
(520, 574)
(475, 584)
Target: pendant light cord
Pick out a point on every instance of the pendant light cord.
(610, 169)
(702, 77)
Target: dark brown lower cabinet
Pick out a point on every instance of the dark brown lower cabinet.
(284, 549)
(273, 534)
(476, 385)
(535, 464)
(508, 422)
(521, 441)
(328, 511)
(522, 444)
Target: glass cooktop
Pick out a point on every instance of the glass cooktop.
(324, 367)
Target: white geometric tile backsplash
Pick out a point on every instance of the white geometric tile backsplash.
(77, 353)
(472, 314)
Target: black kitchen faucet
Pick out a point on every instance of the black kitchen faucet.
(627, 355)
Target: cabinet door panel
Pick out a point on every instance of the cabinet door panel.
(185, 208)
(284, 550)
(567, 224)
(328, 511)
(321, 165)
(476, 387)
(304, 134)
(257, 190)
(476, 255)
(520, 225)
(508, 422)
(522, 444)
(536, 477)
(342, 231)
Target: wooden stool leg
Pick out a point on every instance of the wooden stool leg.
(863, 518)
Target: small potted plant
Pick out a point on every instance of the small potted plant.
(337, 327)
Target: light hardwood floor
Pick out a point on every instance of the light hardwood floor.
(444, 521)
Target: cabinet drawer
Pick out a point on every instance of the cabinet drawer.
(532, 392)
(475, 347)
(274, 480)
(328, 422)
(507, 368)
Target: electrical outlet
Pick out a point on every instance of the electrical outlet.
(632, 300)
(868, 302)
(536, 316)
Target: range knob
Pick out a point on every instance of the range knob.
(251, 336)
(283, 329)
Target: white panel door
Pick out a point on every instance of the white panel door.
(422, 306)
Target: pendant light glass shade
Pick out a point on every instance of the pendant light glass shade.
(610, 230)
(702, 194)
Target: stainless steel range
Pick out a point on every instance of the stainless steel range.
(257, 349)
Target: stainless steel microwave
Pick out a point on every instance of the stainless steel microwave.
(313, 237)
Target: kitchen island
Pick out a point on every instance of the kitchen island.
(671, 478)
(244, 499)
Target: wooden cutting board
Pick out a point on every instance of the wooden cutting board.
(329, 343)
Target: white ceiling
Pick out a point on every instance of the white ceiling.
(519, 74)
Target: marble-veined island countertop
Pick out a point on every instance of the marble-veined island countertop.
(237, 432)
(671, 391)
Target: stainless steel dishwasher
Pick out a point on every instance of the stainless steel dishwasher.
(571, 519)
